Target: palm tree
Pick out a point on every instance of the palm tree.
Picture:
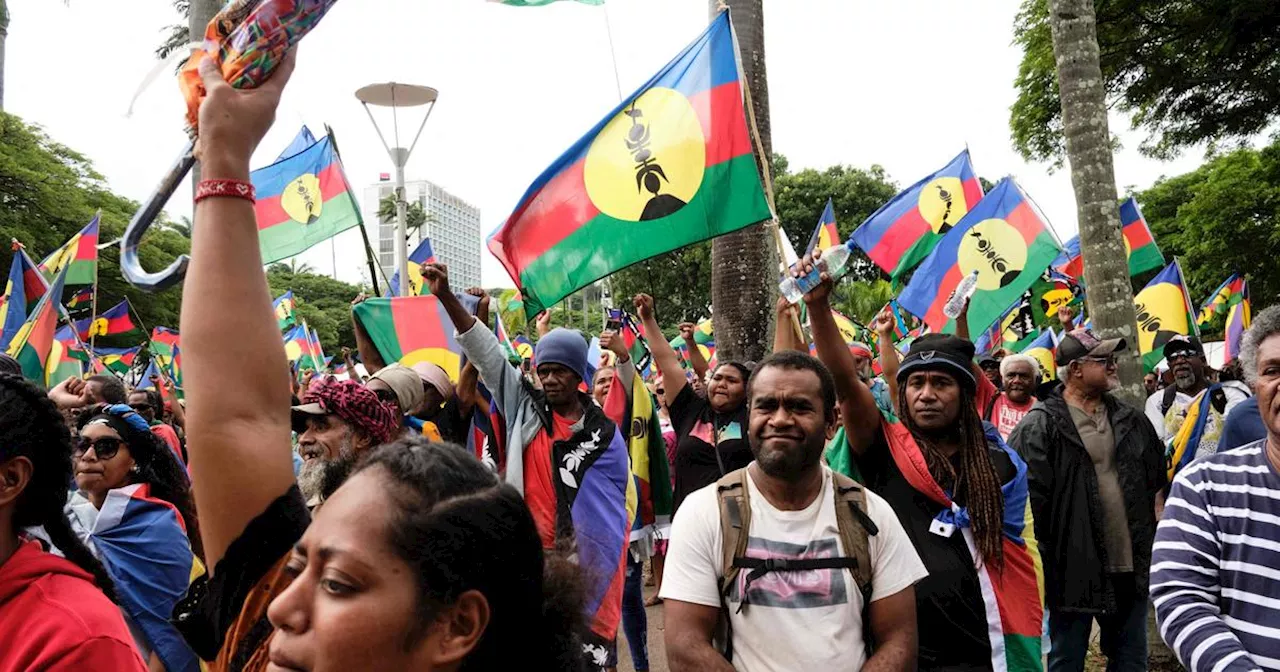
(862, 301)
(1088, 140)
(743, 262)
(415, 215)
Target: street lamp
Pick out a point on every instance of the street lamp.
(396, 96)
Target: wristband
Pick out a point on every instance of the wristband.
(225, 188)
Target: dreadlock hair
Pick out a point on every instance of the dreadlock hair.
(159, 468)
(33, 428)
(462, 529)
(975, 485)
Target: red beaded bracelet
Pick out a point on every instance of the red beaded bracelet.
(229, 188)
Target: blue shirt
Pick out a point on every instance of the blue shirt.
(1243, 425)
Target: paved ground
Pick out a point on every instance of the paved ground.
(657, 651)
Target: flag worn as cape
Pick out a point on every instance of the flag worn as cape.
(143, 543)
(1013, 598)
(670, 166)
(1183, 446)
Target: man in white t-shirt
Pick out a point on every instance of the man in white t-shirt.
(798, 620)
(1167, 408)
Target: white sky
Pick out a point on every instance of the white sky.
(905, 84)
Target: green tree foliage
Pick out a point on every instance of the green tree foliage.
(1221, 218)
(323, 302)
(1186, 72)
(48, 192)
(679, 281)
(862, 300)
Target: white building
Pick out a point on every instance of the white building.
(453, 225)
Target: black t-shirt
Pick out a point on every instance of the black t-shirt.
(453, 427)
(950, 613)
(698, 429)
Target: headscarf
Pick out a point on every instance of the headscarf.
(356, 404)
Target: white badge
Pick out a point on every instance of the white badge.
(942, 529)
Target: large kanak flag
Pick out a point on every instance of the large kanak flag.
(671, 166)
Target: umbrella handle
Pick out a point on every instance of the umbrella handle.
(130, 265)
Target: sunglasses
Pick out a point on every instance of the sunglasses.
(1105, 361)
(1181, 354)
(105, 448)
(141, 408)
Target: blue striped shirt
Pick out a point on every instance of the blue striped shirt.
(1215, 580)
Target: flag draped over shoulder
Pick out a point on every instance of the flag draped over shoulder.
(634, 410)
(79, 256)
(1164, 311)
(902, 233)
(1013, 597)
(412, 329)
(303, 200)
(1182, 448)
(672, 165)
(143, 543)
(1004, 240)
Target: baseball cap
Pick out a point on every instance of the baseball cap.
(1183, 344)
(1084, 343)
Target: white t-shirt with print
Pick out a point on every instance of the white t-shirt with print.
(1167, 425)
(810, 620)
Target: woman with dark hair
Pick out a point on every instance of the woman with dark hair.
(422, 561)
(711, 438)
(133, 508)
(52, 615)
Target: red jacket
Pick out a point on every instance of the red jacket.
(52, 617)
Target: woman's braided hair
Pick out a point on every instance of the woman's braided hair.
(975, 485)
(33, 428)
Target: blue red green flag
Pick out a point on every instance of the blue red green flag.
(79, 256)
(902, 233)
(303, 200)
(284, 307)
(671, 166)
(25, 287)
(1164, 311)
(1004, 240)
(34, 346)
(1227, 294)
(422, 254)
(1239, 318)
(826, 235)
(115, 320)
(1139, 245)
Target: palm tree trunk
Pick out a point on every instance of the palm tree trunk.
(1088, 139)
(4, 35)
(743, 263)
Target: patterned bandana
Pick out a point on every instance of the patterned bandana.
(356, 405)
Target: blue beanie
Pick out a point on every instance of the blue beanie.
(564, 347)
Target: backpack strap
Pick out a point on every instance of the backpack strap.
(1166, 402)
(735, 525)
(1218, 399)
(855, 527)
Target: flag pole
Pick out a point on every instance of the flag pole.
(93, 309)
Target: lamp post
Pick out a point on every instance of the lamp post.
(396, 96)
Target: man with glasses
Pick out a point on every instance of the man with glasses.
(1095, 466)
(1167, 408)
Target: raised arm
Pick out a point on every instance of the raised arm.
(784, 332)
(237, 416)
(858, 409)
(883, 325)
(364, 345)
(666, 359)
(696, 361)
(1065, 319)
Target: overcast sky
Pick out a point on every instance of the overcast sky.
(903, 84)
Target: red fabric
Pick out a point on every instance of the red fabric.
(53, 618)
(1006, 415)
(233, 188)
(539, 488)
(170, 438)
(986, 390)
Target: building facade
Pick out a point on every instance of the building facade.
(453, 225)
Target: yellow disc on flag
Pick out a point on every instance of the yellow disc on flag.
(291, 350)
(301, 200)
(1162, 314)
(647, 162)
(442, 357)
(1055, 299)
(942, 203)
(995, 250)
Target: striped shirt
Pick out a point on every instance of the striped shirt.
(1214, 576)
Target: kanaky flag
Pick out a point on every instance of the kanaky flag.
(164, 345)
(111, 322)
(524, 347)
(412, 329)
(1164, 311)
(1004, 240)
(826, 235)
(78, 255)
(1239, 318)
(284, 307)
(1227, 294)
(671, 166)
(300, 143)
(902, 233)
(295, 343)
(119, 360)
(1045, 349)
(34, 345)
(634, 410)
(25, 287)
(302, 200)
(422, 254)
(82, 298)
(1139, 245)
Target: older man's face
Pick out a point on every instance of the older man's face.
(1268, 384)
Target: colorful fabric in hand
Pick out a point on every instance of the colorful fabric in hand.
(1014, 596)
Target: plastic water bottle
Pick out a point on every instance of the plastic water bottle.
(834, 262)
(966, 288)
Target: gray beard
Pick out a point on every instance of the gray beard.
(316, 478)
(1184, 380)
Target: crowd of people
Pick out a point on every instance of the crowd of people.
(951, 513)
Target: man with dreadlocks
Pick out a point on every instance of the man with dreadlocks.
(961, 494)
